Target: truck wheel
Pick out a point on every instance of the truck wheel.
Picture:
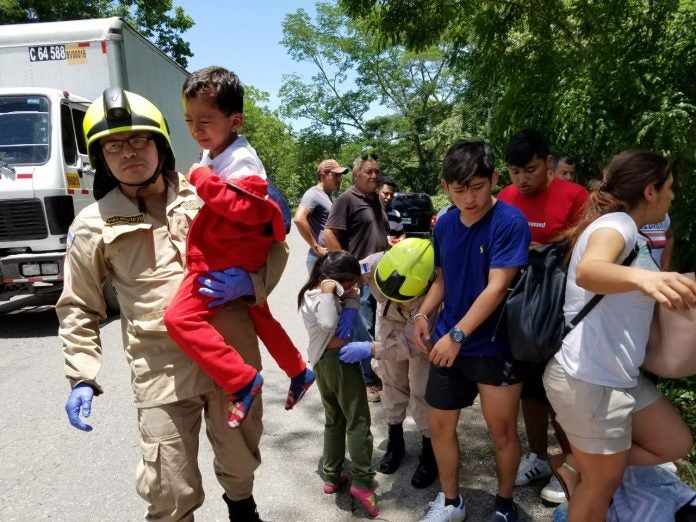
(110, 297)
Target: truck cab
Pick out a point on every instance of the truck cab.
(45, 180)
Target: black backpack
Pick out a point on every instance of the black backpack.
(534, 306)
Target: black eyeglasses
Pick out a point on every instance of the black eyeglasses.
(135, 143)
(366, 157)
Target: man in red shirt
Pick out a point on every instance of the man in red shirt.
(552, 206)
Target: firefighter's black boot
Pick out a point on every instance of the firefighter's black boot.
(396, 449)
(242, 510)
(426, 472)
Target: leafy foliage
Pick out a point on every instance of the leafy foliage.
(355, 70)
(151, 17)
(272, 140)
(595, 77)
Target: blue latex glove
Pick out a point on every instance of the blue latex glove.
(80, 402)
(355, 351)
(345, 322)
(224, 286)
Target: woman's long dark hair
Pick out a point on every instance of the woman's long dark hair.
(623, 186)
(339, 266)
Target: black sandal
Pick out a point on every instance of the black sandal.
(560, 479)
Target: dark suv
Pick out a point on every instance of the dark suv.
(417, 214)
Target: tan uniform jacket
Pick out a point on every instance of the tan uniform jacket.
(145, 259)
(394, 321)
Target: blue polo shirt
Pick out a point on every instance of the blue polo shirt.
(465, 254)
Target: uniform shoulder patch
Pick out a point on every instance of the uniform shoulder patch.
(125, 220)
(191, 204)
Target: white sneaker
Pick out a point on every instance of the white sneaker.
(438, 512)
(532, 468)
(553, 492)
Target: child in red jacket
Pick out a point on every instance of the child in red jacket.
(235, 228)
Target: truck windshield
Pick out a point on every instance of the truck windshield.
(24, 129)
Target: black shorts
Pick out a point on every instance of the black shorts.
(533, 385)
(456, 387)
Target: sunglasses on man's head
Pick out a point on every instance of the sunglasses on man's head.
(366, 157)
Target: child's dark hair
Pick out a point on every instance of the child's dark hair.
(222, 88)
(339, 266)
(524, 145)
(623, 186)
(467, 159)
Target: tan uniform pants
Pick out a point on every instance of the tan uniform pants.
(404, 381)
(168, 477)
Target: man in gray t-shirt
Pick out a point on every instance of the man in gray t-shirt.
(315, 206)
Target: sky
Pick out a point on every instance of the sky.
(244, 37)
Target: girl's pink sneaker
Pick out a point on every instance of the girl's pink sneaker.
(330, 489)
(367, 498)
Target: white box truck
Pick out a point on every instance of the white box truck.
(49, 72)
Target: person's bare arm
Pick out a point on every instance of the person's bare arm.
(433, 299)
(302, 223)
(598, 271)
(332, 239)
(499, 279)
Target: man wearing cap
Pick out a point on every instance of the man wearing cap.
(315, 206)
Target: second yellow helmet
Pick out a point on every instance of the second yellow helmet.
(406, 270)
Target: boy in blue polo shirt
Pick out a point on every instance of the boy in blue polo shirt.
(479, 248)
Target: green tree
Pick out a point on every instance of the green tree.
(272, 140)
(156, 19)
(356, 70)
(596, 77)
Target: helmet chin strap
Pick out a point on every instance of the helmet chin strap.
(141, 203)
(149, 181)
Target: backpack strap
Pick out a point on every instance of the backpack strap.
(597, 297)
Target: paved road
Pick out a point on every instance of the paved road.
(50, 471)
